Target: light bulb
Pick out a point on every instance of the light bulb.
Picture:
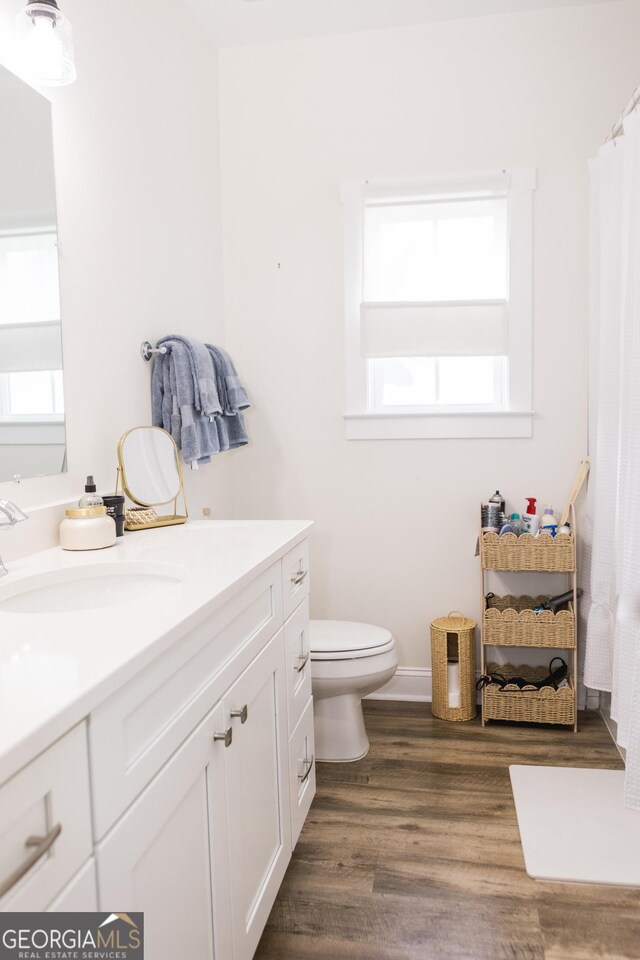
(46, 42)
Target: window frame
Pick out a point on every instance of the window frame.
(362, 421)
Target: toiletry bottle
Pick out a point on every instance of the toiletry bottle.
(530, 517)
(508, 527)
(565, 528)
(498, 499)
(87, 528)
(518, 524)
(90, 498)
(548, 519)
(115, 510)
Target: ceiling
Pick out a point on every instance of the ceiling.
(254, 21)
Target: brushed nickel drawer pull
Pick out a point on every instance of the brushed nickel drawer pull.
(303, 777)
(42, 845)
(297, 578)
(305, 661)
(226, 737)
(243, 714)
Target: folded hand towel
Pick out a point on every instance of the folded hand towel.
(205, 394)
(233, 395)
(182, 384)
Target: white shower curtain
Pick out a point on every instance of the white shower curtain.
(612, 659)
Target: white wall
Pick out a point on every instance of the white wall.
(137, 155)
(396, 520)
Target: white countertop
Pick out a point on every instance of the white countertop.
(57, 667)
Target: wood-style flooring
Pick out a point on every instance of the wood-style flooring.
(414, 854)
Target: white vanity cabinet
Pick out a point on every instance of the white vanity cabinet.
(204, 846)
(203, 850)
(183, 792)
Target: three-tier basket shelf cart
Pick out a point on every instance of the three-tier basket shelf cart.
(510, 621)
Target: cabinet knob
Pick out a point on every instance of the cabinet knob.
(243, 714)
(227, 737)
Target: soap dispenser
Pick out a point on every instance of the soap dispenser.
(90, 498)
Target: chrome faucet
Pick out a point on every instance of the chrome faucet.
(13, 515)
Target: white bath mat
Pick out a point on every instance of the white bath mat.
(574, 825)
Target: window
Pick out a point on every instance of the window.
(30, 342)
(29, 291)
(438, 307)
(31, 395)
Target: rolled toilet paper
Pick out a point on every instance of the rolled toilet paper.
(453, 683)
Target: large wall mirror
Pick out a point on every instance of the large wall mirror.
(32, 425)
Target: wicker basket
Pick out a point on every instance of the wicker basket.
(510, 621)
(528, 706)
(453, 635)
(543, 552)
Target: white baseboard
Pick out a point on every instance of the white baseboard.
(409, 683)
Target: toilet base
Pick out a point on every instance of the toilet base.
(340, 734)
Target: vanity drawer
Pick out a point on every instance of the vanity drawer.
(135, 732)
(295, 577)
(302, 771)
(80, 895)
(298, 652)
(49, 802)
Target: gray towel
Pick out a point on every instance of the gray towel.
(233, 395)
(176, 391)
(205, 394)
(231, 431)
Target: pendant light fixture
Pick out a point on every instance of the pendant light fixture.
(46, 42)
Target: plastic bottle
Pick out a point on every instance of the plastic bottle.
(518, 524)
(548, 519)
(530, 517)
(90, 498)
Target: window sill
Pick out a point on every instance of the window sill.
(501, 424)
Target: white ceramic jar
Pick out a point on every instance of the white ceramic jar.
(87, 528)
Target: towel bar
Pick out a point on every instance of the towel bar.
(147, 351)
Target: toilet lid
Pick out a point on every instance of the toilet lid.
(343, 639)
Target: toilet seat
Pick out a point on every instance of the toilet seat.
(345, 640)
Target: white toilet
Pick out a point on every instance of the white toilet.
(348, 661)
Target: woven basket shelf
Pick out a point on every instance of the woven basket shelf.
(544, 552)
(510, 621)
(527, 706)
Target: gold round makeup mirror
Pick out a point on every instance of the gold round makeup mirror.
(150, 474)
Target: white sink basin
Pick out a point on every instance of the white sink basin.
(89, 587)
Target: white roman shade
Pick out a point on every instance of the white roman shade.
(30, 347)
(460, 329)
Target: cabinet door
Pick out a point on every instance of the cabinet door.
(157, 859)
(80, 895)
(257, 794)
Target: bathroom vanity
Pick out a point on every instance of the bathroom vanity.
(156, 731)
